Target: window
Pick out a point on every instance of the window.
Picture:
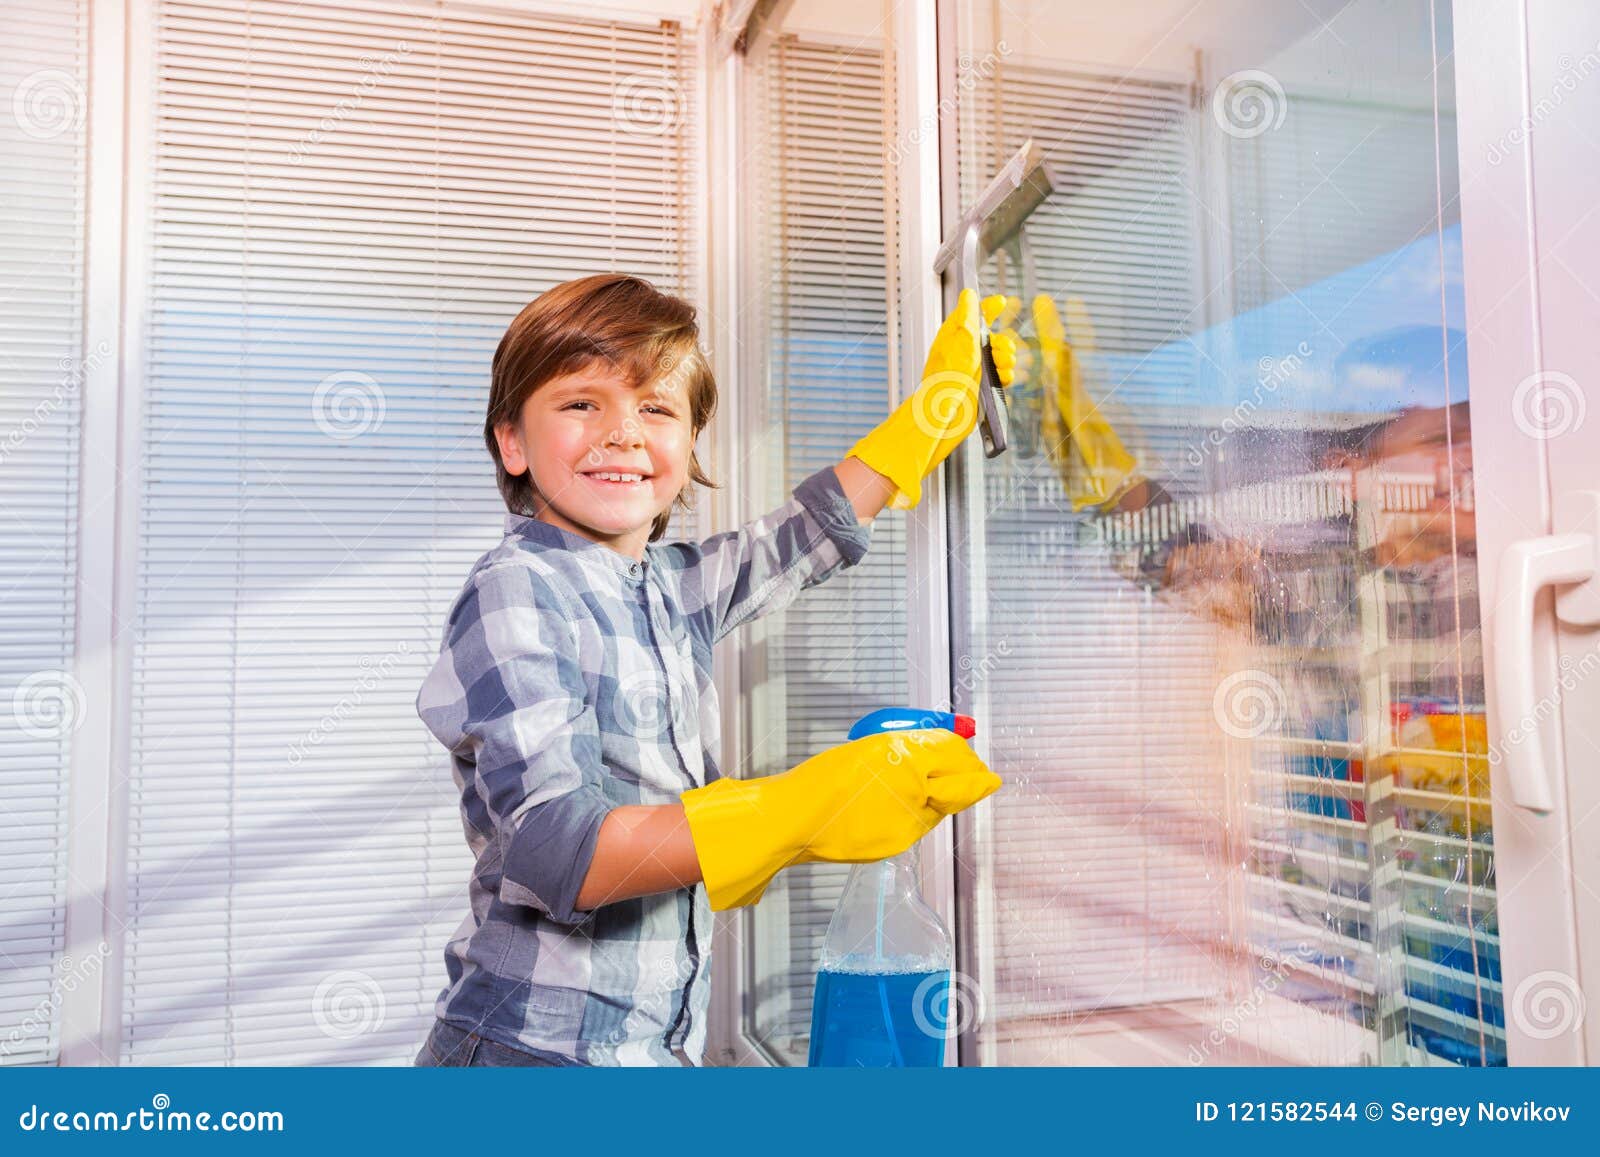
(43, 81)
(820, 352)
(347, 205)
(1226, 576)
(1093, 872)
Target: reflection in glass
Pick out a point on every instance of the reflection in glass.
(1226, 580)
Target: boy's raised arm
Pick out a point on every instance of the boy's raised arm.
(739, 575)
(941, 413)
(868, 491)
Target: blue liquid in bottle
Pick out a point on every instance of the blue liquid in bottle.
(883, 986)
(879, 1019)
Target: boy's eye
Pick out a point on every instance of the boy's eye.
(654, 409)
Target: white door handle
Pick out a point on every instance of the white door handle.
(1525, 568)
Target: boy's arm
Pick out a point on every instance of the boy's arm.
(641, 850)
(508, 697)
(863, 800)
(740, 575)
(943, 410)
(868, 491)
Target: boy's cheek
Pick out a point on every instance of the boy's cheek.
(562, 442)
(677, 451)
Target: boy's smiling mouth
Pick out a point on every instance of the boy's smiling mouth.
(616, 477)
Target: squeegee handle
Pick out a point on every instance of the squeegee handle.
(992, 404)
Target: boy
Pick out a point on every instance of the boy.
(573, 687)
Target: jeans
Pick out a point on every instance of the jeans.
(450, 1047)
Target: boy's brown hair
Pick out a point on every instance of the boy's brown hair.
(614, 318)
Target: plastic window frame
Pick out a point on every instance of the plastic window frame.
(913, 43)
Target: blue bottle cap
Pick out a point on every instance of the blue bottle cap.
(909, 718)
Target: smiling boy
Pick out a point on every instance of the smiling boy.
(573, 686)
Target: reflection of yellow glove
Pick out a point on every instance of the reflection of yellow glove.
(937, 418)
(1094, 465)
(864, 800)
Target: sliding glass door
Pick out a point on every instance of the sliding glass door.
(1218, 603)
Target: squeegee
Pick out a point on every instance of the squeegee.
(997, 216)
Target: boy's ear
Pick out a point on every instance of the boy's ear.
(509, 438)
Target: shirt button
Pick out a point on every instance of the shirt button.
(633, 568)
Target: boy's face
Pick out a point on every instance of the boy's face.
(576, 428)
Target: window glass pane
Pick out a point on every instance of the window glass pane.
(819, 342)
(1222, 589)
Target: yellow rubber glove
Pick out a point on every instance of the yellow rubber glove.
(943, 410)
(1094, 465)
(861, 801)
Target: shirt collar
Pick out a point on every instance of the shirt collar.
(538, 531)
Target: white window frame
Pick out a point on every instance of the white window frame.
(107, 548)
(913, 44)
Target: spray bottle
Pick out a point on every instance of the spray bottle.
(883, 986)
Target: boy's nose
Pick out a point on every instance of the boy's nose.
(626, 433)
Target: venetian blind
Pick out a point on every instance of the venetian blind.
(839, 651)
(43, 84)
(350, 203)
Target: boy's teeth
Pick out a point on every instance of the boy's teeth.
(619, 477)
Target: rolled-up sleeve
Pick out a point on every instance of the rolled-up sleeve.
(831, 509)
(508, 697)
(739, 575)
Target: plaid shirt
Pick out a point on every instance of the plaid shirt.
(571, 680)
